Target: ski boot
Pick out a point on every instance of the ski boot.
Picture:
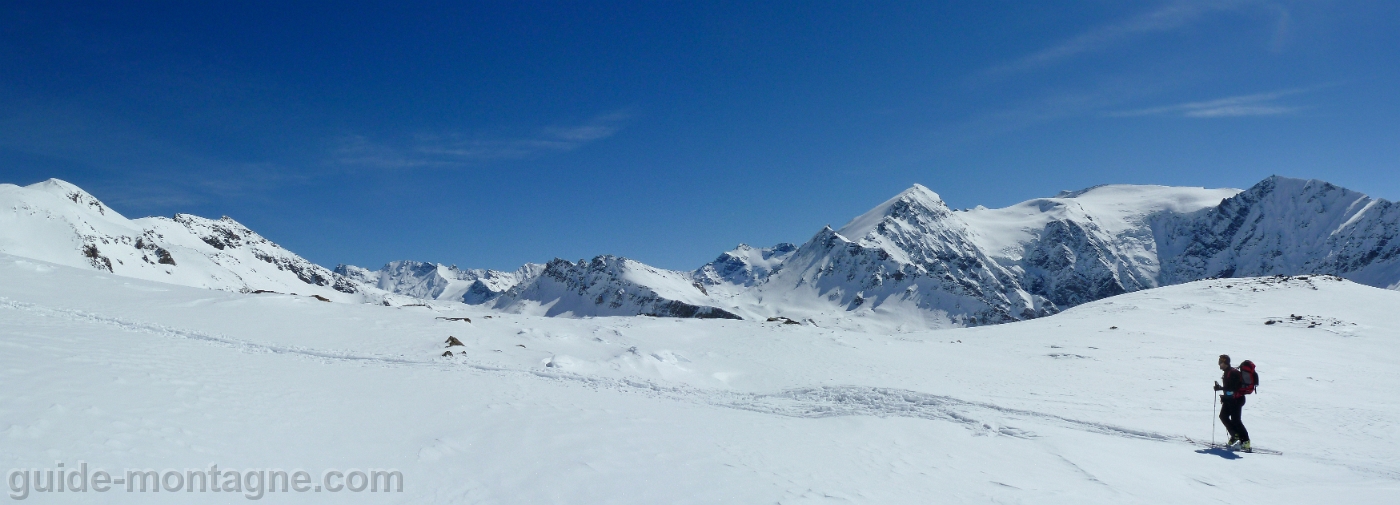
(1247, 448)
(1233, 439)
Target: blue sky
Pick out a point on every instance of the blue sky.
(488, 134)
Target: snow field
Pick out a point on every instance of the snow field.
(124, 373)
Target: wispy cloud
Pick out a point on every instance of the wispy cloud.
(425, 150)
(1258, 104)
(1045, 107)
(1167, 18)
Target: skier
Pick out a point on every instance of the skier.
(1231, 403)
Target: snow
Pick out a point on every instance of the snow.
(743, 267)
(435, 281)
(60, 223)
(912, 263)
(1117, 209)
(1284, 225)
(127, 373)
(608, 286)
(667, 283)
(865, 223)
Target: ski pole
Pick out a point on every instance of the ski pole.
(1213, 400)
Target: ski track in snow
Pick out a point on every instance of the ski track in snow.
(808, 402)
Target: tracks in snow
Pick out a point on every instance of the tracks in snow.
(830, 401)
(810, 402)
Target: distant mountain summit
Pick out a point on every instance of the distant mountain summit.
(915, 257)
(745, 265)
(909, 263)
(432, 281)
(910, 254)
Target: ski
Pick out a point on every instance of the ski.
(1255, 450)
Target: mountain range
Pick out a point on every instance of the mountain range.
(909, 263)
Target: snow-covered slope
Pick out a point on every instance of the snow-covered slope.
(1092, 405)
(1084, 245)
(57, 222)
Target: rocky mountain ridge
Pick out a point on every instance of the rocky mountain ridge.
(911, 262)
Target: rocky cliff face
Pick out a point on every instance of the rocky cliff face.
(1070, 263)
(1285, 226)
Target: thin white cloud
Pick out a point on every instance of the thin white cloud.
(1167, 18)
(426, 150)
(1242, 110)
(1258, 104)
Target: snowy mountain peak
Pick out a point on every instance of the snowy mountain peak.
(75, 194)
(921, 193)
(910, 204)
(58, 187)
